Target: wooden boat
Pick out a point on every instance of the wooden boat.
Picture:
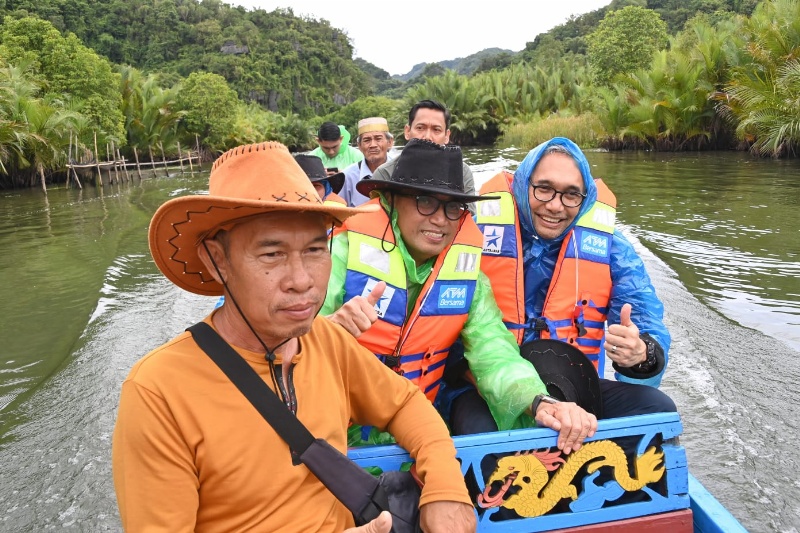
(520, 482)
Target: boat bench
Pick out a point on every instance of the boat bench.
(520, 482)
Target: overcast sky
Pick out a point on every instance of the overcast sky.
(393, 36)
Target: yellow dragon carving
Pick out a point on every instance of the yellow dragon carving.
(536, 496)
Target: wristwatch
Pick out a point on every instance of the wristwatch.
(539, 398)
(650, 363)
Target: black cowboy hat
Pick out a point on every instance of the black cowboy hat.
(315, 170)
(566, 372)
(426, 167)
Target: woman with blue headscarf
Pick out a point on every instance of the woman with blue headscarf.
(559, 269)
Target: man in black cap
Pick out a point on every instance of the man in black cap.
(406, 282)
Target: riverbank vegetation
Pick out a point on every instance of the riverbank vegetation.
(656, 74)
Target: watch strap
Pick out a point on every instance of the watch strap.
(538, 399)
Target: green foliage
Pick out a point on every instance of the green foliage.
(370, 106)
(625, 41)
(583, 129)
(67, 70)
(462, 65)
(233, 76)
(151, 113)
(764, 88)
(254, 124)
(210, 106)
(283, 62)
(676, 13)
(495, 62)
(34, 132)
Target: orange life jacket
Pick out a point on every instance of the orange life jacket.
(334, 199)
(414, 344)
(576, 305)
(502, 245)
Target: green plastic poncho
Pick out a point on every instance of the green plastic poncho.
(506, 381)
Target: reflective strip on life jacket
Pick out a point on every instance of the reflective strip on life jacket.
(502, 244)
(334, 200)
(415, 344)
(576, 305)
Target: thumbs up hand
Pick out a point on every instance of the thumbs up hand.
(623, 344)
(358, 314)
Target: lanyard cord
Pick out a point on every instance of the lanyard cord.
(270, 354)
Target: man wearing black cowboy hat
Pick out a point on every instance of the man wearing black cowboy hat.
(406, 282)
(327, 186)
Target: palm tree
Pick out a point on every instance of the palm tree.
(14, 88)
(764, 89)
(151, 112)
(49, 128)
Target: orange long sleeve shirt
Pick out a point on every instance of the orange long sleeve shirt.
(190, 453)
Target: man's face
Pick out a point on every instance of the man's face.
(428, 124)
(331, 148)
(374, 145)
(424, 236)
(320, 188)
(559, 171)
(277, 269)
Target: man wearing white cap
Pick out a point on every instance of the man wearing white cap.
(374, 141)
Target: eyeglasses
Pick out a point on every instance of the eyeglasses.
(545, 193)
(428, 205)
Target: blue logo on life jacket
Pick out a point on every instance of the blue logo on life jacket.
(452, 297)
(383, 304)
(497, 241)
(594, 244)
(493, 239)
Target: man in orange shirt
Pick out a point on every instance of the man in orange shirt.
(189, 452)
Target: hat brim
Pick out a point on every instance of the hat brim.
(366, 186)
(336, 181)
(566, 372)
(180, 224)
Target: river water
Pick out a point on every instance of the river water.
(718, 233)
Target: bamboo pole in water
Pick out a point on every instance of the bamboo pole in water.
(124, 165)
(152, 161)
(138, 168)
(191, 167)
(71, 166)
(197, 146)
(69, 158)
(180, 157)
(97, 160)
(163, 158)
(108, 158)
(116, 162)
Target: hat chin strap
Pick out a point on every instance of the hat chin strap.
(386, 229)
(270, 353)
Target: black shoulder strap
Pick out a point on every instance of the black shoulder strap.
(357, 489)
(253, 387)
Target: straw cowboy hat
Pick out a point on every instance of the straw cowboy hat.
(315, 170)
(426, 167)
(246, 181)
